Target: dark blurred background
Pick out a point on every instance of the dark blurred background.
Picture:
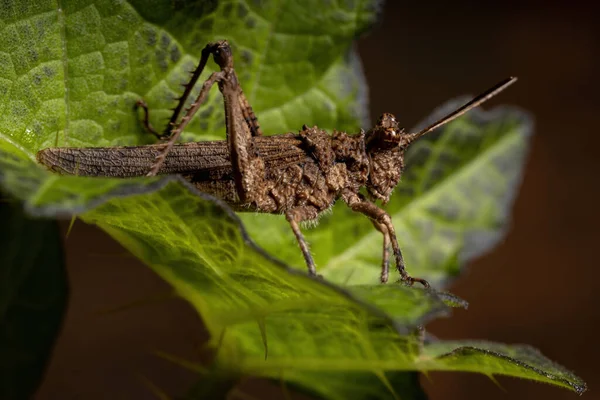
(537, 287)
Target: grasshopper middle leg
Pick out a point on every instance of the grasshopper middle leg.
(294, 217)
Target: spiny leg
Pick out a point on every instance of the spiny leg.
(208, 49)
(294, 217)
(385, 262)
(240, 121)
(377, 214)
(160, 159)
(248, 113)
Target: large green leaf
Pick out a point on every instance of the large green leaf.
(33, 296)
(71, 75)
(336, 385)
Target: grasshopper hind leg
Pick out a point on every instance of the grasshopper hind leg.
(146, 121)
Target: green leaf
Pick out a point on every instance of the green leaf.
(33, 297)
(71, 76)
(219, 384)
(362, 386)
(499, 359)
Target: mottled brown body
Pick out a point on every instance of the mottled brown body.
(298, 175)
(309, 169)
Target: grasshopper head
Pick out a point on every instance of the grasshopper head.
(385, 144)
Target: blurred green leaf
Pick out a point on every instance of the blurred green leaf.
(362, 386)
(71, 76)
(33, 298)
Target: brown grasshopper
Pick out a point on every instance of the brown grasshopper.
(299, 175)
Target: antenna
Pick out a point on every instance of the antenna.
(488, 94)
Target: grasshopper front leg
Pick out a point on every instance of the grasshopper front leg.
(381, 218)
(385, 259)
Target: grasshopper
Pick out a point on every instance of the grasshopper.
(299, 175)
